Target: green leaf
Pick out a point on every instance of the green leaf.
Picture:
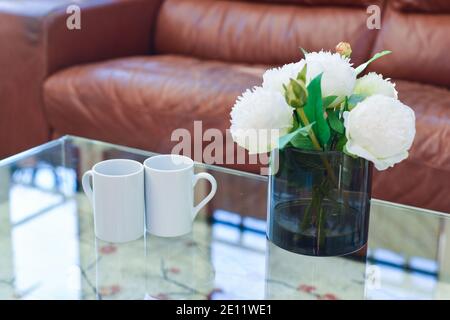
(344, 105)
(328, 101)
(378, 55)
(290, 97)
(314, 95)
(301, 142)
(295, 93)
(354, 99)
(302, 131)
(341, 143)
(302, 75)
(335, 123)
(299, 90)
(314, 111)
(304, 51)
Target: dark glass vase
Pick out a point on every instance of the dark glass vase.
(318, 202)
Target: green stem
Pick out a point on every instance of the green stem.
(321, 230)
(311, 134)
(318, 193)
(316, 144)
(306, 217)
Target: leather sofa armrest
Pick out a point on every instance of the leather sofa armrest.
(22, 70)
(35, 42)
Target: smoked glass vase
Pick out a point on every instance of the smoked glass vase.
(318, 202)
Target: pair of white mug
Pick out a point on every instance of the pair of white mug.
(123, 191)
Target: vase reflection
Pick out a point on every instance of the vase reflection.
(294, 276)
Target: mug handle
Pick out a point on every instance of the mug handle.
(212, 180)
(86, 182)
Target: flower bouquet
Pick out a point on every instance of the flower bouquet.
(325, 124)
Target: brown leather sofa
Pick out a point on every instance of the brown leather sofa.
(139, 69)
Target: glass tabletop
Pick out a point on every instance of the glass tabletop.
(49, 251)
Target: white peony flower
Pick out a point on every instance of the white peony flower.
(380, 129)
(373, 83)
(338, 77)
(273, 79)
(258, 118)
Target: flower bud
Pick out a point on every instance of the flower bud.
(344, 49)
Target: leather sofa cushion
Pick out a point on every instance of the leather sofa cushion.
(258, 32)
(139, 94)
(139, 101)
(435, 6)
(354, 3)
(420, 44)
(423, 179)
(432, 107)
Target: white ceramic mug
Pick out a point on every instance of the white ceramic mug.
(117, 196)
(169, 194)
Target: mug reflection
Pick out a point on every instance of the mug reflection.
(178, 268)
(120, 268)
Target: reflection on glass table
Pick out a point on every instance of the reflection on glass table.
(49, 250)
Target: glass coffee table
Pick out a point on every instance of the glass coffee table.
(49, 251)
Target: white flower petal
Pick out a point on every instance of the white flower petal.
(273, 79)
(258, 118)
(380, 129)
(373, 83)
(359, 151)
(338, 75)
